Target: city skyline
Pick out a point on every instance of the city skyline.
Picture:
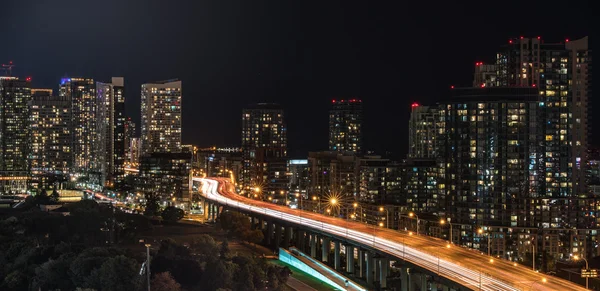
(356, 55)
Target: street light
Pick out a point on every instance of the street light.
(387, 221)
(356, 205)
(442, 221)
(587, 267)
(487, 234)
(148, 264)
(543, 280)
(413, 214)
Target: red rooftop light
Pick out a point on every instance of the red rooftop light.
(333, 101)
(521, 37)
(452, 87)
(539, 37)
(510, 41)
(28, 79)
(415, 105)
(533, 85)
(567, 40)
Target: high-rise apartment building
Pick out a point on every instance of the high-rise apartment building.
(82, 94)
(51, 153)
(15, 96)
(264, 150)
(110, 142)
(424, 131)
(129, 133)
(561, 72)
(161, 117)
(486, 75)
(493, 159)
(345, 126)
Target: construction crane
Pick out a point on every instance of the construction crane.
(8, 68)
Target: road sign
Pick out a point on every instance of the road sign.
(589, 273)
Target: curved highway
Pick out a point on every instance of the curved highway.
(464, 266)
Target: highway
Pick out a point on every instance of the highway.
(465, 266)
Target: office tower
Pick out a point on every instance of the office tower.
(493, 159)
(166, 175)
(161, 117)
(560, 71)
(82, 93)
(110, 142)
(425, 128)
(264, 147)
(485, 75)
(129, 133)
(51, 154)
(15, 95)
(345, 126)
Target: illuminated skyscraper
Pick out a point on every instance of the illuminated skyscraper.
(15, 95)
(345, 126)
(110, 142)
(51, 154)
(264, 146)
(82, 93)
(424, 131)
(130, 133)
(560, 71)
(492, 157)
(161, 117)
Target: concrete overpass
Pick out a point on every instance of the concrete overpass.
(426, 263)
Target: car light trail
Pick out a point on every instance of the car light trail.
(468, 270)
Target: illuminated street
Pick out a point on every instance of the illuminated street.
(461, 265)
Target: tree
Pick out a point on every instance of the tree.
(118, 273)
(254, 236)
(217, 275)
(164, 282)
(152, 206)
(55, 196)
(205, 248)
(224, 249)
(172, 214)
(244, 279)
(16, 280)
(86, 262)
(42, 198)
(53, 274)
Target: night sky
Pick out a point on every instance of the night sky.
(300, 54)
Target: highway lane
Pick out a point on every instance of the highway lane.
(465, 266)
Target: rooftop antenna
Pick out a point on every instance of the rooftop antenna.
(8, 68)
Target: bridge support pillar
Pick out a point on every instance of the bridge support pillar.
(325, 247)
(287, 237)
(361, 263)
(434, 286)
(350, 259)
(336, 255)
(300, 240)
(269, 233)
(384, 265)
(423, 282)
(206, 208)
(404, 279)
(370, 266)
(445, 288)
(277, 238)
(252, 223)
(376, 266)
(313, 245)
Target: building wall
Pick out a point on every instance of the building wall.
(161, 117)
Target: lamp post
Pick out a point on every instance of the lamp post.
(487, 234)
(387, 221)
(442, 222)
(299, 197)
(285, 197)
(587, 267)
(314, 198)
(413, 214)
(148, 264)
(356, 205)
(333, 204)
